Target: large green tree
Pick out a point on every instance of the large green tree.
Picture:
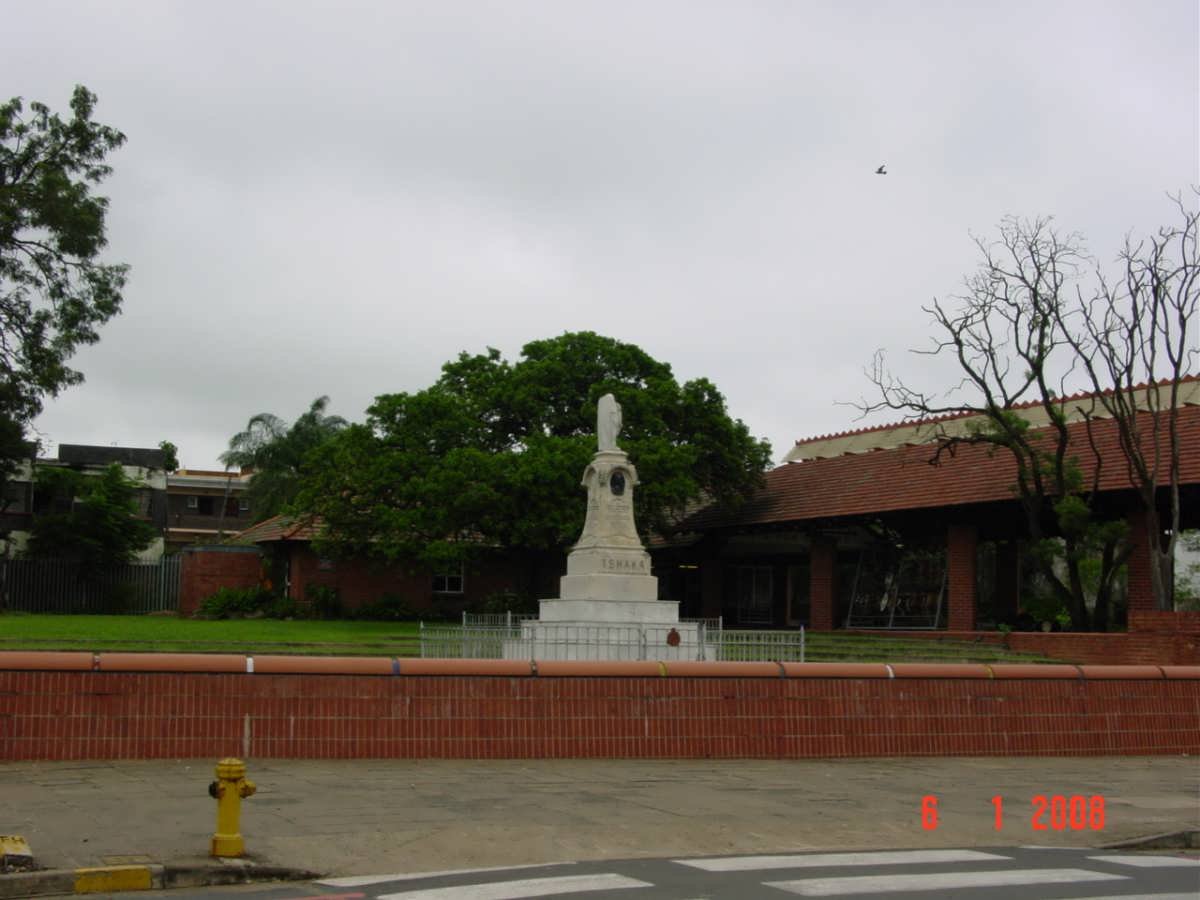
(94, 519)
(491, 455)
(54, 291)
(276, 453)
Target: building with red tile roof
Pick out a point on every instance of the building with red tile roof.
(286, 544)
(794, 552)
(912, 477)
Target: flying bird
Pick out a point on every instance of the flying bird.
(881, 170)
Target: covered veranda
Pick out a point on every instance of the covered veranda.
(795, 553)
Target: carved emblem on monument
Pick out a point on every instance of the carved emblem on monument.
(616, 483)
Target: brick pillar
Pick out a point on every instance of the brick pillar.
(822, 584)
(204, 570)
(1141, 584)
(1008, 581)
(961, 546)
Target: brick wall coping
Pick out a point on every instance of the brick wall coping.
(220, 548)
(74, 661)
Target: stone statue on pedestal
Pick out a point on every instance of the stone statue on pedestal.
(608, 422)
(610, 480)
(608, 606)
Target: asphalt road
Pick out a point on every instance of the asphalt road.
(1033, 873)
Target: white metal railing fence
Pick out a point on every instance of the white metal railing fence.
(58, 586)
(711, 625)
(747, 646)
(639, 642)
(439, 641)
(505, 619)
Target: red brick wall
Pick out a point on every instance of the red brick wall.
(822, 584)
(357, 581)
(1163, 621)
(961, 551)
(1140, 582)
(470, 709)
(204, 570)
(362, 581)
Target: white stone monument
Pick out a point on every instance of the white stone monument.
(607, 606)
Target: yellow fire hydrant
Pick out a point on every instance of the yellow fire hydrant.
(229, 789)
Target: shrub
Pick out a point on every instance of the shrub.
(324, 601)
(282, 608)
(445, 608)
(121, 599)
(508, 601)
(389, 608)
(234, 603)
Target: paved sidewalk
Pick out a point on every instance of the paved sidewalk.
(362, 817)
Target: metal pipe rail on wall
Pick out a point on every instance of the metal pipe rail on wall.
(74, 661)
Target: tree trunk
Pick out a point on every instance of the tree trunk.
(1080, 620)
(1162, 562)
(1101, 612)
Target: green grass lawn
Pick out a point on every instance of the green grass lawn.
(159, 633)
(24, 631)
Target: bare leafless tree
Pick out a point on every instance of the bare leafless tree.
(1009, 333)
(1135, 338)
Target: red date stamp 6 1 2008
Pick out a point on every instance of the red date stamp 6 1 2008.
(1057, 813)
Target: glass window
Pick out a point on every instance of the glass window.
(755, 588)
(450, 582)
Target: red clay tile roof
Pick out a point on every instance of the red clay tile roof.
(280, 528)
(902, 478)
(289, 528)
(931, 420)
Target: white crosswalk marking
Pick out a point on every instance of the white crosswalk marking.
(812, 860)
(360, 880)
(939, 881)
(1149, 862)
(1046, 847)
(518, 890)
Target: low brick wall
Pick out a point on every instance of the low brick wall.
(1141, 647)
(1183, 622)
(135, 706)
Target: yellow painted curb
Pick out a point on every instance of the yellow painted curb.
(14, 848)
(113, 878)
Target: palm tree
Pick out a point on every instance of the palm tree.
(276, 454)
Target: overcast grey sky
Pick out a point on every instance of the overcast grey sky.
(335, 198)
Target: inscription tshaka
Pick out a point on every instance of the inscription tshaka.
(624, 565)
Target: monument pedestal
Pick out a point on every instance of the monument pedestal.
(608, 606)
(610, 640)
